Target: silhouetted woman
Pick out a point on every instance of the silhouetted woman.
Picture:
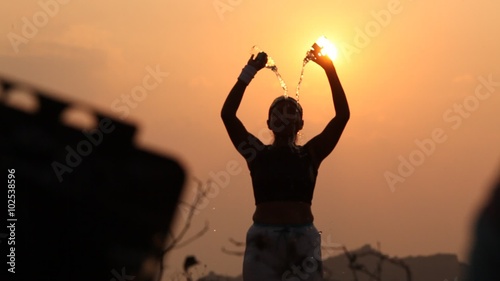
(283, 243)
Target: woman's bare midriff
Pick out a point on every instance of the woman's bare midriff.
(283, 212)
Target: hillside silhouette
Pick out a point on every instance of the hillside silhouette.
(423, 268)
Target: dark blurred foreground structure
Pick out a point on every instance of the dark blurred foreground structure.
(485, 251)
(89, 204)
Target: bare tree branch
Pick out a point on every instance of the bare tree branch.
(237, 243)
(194, 237)
(174, 243)
(355, 265)
(233, 253)
(179, 240)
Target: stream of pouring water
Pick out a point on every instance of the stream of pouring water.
(297, 96)
(272, 65)
(282, 83)
(309, 56)
(327, 48)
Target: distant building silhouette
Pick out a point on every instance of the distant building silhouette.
(89, 205)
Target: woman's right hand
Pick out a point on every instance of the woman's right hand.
(258, 62)
(323, 60)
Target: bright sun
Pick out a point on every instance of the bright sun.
(327, 48)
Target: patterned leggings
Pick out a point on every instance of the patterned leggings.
(282, 252)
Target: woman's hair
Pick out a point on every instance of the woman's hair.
(285, 99)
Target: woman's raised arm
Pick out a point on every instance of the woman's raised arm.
(238, 134)
(324, 143)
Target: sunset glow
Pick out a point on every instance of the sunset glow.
(422, 80)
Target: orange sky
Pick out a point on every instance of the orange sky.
(415, 73)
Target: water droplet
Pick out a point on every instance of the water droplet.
(320, 232)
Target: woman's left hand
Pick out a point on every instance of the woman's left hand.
(258, 62)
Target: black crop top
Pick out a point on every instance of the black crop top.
(283, 174)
